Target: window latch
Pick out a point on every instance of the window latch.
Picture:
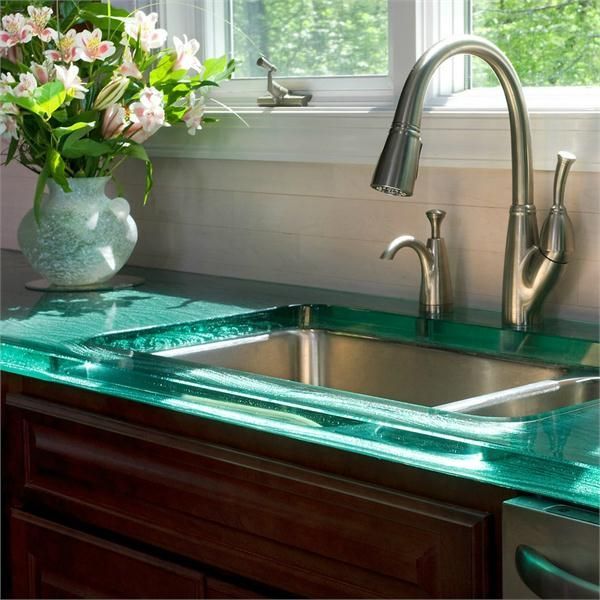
(277, 94)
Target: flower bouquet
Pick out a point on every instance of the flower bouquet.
(83, 85)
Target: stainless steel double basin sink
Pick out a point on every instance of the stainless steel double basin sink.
(361, 361)
(450, 380)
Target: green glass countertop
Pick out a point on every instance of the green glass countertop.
(101, 341)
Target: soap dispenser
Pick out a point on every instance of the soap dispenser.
(435, 297)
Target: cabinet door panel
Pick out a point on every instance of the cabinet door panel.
(217, 588)
(287, 527)
(52, 561)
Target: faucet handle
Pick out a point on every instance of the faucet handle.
(557, 239)
(435, 216)
(564, 163)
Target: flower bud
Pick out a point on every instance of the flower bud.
(111, 93)
(113, 121)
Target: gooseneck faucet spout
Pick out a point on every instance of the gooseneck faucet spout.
(529, 274)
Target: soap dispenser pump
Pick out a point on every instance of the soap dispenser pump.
(435, 297)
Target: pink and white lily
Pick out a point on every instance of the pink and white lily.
(142, 27)
(67, 48)
(6, 83)
(44, 72)
(8, 121)
(147, 116)
(194, 115)
(26, 86)
(15, 30)
(114, 121)
(13, 54)
(38, 20)
(186, 55)
(71, 81)
(128, 66)
(92, 47)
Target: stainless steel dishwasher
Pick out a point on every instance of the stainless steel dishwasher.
(549, 550)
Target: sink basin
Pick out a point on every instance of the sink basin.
(376, 367)
(530, 399)
(483, 371)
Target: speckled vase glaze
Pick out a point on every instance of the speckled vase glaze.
(83, 237)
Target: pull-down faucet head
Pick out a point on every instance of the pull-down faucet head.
(397, 168)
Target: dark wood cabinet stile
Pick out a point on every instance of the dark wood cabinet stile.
(224, 515)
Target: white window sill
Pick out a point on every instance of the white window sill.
(455, 134)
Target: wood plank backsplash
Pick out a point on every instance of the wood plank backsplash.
(321, 225)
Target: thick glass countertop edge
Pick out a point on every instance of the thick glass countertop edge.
(556, 455)
(550, 455)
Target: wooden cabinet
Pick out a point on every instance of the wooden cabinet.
(178, 515)
(53, 561)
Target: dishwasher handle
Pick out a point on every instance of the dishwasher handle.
(550, 581)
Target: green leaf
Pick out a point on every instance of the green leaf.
(10, 67)
(217, 69)
(100, 9)
(60, 115)
(137, 151)
(49, 97)
(76, 147)
(59, 132)
(57, 169)
(163, 71)
(44, 101)
(118, 185)
(214, 66)
(97, 13)
(228, 72)
(87, 117)
(12, 148)
(86, 147)
(39, 190)
(67, 7)
(54, 168)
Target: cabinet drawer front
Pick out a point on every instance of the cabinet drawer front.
(284, 526)
(52, 561)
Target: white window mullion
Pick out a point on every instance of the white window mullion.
(405, 24)
(215, 20)
(182, 16)
(442, 19)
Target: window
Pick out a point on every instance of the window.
(344, 52)
(350, 51)
(310, 38)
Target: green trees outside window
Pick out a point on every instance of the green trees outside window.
(550, 42)
(310, 38)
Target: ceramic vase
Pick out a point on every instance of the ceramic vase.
(83, 237)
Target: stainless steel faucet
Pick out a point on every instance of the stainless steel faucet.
(435, 297)
(531, 267)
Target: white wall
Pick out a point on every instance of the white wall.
(322, 225)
